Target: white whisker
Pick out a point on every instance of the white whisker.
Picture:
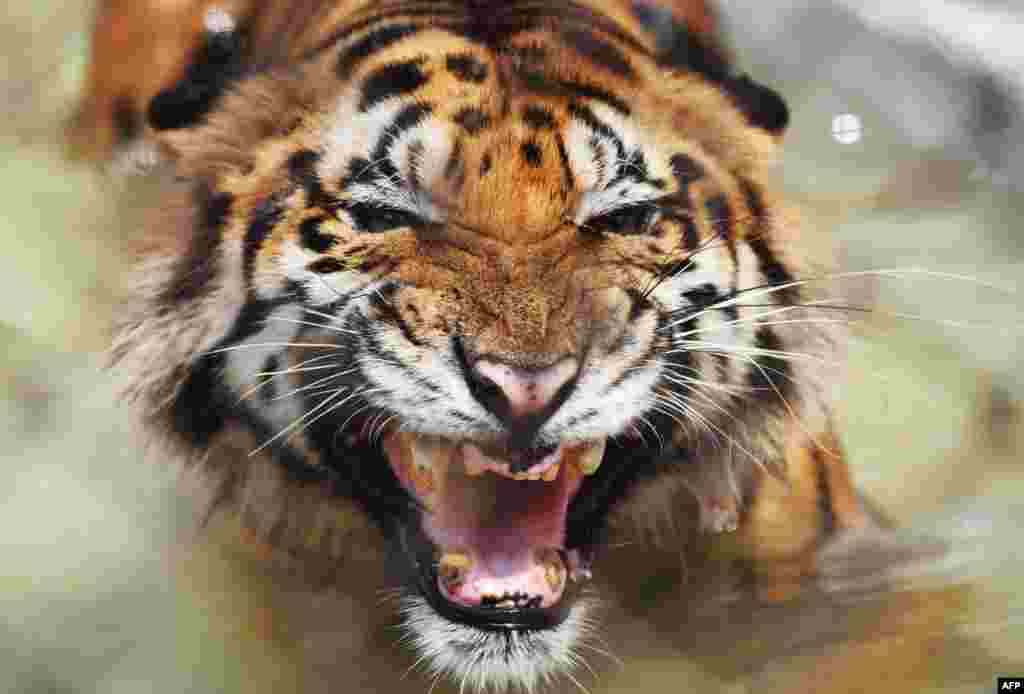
(257, 345)
(718, 348)
(298, 421)
(323, 326)
(744, 295)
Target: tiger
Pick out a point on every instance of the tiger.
(459, 294)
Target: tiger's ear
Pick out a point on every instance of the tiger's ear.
(762, 106)
(162, 58)
(687, 36)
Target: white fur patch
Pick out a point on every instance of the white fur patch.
(485, 660)
(355, 134)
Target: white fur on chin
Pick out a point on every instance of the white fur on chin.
(481, 660)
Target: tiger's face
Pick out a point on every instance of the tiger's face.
(486, 290)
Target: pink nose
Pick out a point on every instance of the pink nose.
(527, 391)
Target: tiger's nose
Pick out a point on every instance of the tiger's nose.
(512, 392)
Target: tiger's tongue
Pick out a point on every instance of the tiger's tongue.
(499, 537)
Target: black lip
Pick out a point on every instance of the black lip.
(419, 551)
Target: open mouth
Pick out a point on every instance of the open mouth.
(491, 548)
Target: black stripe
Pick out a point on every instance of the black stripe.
(634, 368)
(583, 113)
(375, 41)
(406, 10)
(198, 266)
(376, 219)
(707, 294)
(202, 404)
(214, 65)
(598, 50)
(302, 171)
(538, 117)
(396, 79)
(408, 118)
(639, 304)
(540, 82)
(702, 296)
(360, 170)
(720, 216)
(326, 266)
(312, 238)
(676, 45)
(773, 270)
(634, 166)
(377, 349)
(691, 239)
(563, 158)
(383, 301)
(762, 106)
(686, 170)
(453, 168)
(492, 23)
(472, 119)
(466, 67)
(775, 372)
(262, 222)
(597, 152)
(532, 153)
(415, 163)
(485, 163)
(752, 197)
(268, 390)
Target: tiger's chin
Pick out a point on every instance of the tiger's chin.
(498, 660)
(496, 555)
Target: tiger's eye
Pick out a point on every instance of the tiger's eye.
(634, 219)
(374, 219)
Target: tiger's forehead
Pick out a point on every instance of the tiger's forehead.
(506, 142)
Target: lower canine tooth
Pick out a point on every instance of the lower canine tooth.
(473, 460)
(589, 459)
(453, 567)
(456, 560)
(424, 481)
(554, 568)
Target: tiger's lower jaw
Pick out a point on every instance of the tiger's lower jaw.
(487, 648)
(494, 572)
(495, 660)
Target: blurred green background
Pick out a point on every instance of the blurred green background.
(101, 590)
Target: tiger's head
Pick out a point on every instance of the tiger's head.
(485, 276)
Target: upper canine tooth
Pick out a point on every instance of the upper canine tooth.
(428, 450)
(589, 458)
(473, 459)
(424, 481)
(456, 560)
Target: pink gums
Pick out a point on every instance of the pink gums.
(508, 529)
